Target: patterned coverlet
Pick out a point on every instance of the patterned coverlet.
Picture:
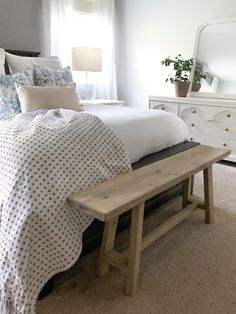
(44, 157)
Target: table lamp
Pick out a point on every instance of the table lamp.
(88, 60)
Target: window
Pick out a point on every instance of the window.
(85, 26)
(83, 23)
(86, 34)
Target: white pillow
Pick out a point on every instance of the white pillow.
(2, 61)
(34, 98)
(18, 63)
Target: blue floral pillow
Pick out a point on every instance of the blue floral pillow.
(9, 102)
(48, 77)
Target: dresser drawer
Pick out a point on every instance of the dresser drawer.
(227, 115)
(196, 133)
(215, 141)
(192, 112)
(211, 113)
(225, 130)
(205, 128)
(220, 142)
(166, 106)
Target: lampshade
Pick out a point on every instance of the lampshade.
(86, 59)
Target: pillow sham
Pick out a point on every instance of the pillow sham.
(34, 98)
(19, 63)
(44, 76)
(2, 61)
(9, 102)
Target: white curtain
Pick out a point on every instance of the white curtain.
(65, 28)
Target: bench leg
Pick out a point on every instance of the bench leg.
(135, 247)
(107, 245)
(186, 192)
(208, 195)
(191, 185)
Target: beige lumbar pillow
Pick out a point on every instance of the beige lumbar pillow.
(34, 98)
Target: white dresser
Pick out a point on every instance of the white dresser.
(210, 121)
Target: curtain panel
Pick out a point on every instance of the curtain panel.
(65, 27)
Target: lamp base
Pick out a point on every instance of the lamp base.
(86, 91)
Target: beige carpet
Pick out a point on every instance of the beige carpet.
(190, 270)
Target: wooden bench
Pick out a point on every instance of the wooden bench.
(107, 200)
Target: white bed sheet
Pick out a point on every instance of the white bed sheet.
(142, 131)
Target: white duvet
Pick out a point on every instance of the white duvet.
(142, 131)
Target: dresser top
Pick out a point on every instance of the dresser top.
(194, 100)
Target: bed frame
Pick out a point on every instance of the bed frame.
(92, 237)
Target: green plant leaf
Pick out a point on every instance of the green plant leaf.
(182, 69)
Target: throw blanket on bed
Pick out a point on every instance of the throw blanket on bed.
(44, 157)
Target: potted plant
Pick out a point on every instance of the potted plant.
(182, 69)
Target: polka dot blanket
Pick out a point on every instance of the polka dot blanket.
(44, 157)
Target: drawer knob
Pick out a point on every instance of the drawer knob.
(191, 139)
(224, 144)
(163, 108)
(194, 111)
(192, 124)
(228, 115)
(226, 129)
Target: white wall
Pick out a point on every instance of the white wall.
(150, 30)
(20, 24)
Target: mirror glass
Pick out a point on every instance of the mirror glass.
(215, 52)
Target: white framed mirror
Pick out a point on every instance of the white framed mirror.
(215, 51)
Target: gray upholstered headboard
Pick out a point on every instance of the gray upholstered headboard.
(22, 54)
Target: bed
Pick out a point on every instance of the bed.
(141, 150)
